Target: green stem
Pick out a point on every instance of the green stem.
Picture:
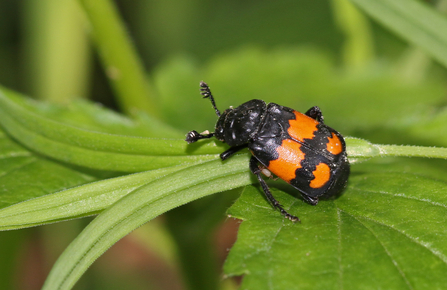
(412, 151)
(359, 149)
(358, 47)
(57, 57)
(119, 58)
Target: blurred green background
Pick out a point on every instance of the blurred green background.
(45, 50)
(294, 52)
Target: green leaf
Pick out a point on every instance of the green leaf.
(72, 137)
(25, 175)
(387, 231)
(53, 182)
(95, 117)
(76, 202)
(94, 149)
(141, 206)
(414, 21)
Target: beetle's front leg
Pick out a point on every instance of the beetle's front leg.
(231, 151)
(193, 136)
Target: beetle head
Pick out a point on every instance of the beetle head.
(237, 126)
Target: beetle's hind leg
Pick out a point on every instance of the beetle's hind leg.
(315, 113)
(193, 136)
(311, 200)
(257, 171)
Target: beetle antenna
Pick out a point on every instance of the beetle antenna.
(206, 93)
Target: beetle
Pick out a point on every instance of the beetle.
(298, 148)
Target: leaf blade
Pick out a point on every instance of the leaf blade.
(97, 150)
(139, 207)
(76, 202)
(413, 21)
(386, 231)
(36, 174)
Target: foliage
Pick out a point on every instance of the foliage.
(387, 230)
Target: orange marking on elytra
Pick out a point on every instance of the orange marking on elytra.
(322, 175)
(303, 127)
(290, 157)
(334, 145)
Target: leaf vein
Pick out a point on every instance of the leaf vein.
(401, 272)
(403, 195)
(426, 245)
(340, 269)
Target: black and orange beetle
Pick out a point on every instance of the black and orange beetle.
(298, 148)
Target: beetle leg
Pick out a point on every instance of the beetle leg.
(257, 171)
(193, 136)
(231, 151)
(311, 200)
(315, 113)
